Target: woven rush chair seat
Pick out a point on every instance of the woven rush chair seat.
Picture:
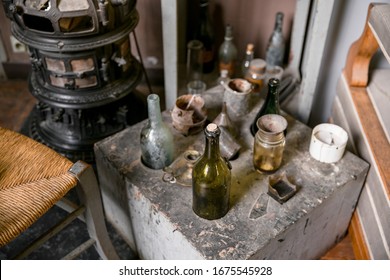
(33, 178)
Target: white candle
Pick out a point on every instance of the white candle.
(328, 142)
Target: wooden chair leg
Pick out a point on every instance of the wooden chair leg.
(90, 196)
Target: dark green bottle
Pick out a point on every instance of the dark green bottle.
(211, 179)
(205, 34)
(271, 104)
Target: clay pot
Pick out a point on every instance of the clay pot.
(189, 114)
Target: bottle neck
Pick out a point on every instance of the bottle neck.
(204, 30)
(279, 22)
(248, 55)
(223, 73)
(212, 147)
(204, 10)
(273, 94)
(154, 111)
(212, 133)
(249, 50)
(228, 33)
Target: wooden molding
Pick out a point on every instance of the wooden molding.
(359, 56)
(375, 134)
(359, 244)
(356, 74)
(379, 23)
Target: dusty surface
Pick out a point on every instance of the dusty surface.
(306, 226)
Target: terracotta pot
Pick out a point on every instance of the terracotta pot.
(189, 114)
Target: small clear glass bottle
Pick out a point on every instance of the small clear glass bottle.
(249, 54)
(195, 83)
(211, 179)
(228, 52)
(276, 45)
(223, 77)
(194, 61)
(157, 145)
(269, 143)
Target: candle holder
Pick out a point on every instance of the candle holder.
(328, 142)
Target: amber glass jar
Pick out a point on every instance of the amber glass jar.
(269, 143)
(256, 74)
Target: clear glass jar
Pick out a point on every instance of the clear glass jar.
(269, 143)
(195, 84)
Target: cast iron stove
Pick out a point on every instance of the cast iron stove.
(83, 72)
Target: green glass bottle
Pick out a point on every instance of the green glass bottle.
(211, 179)
(205, 34)
(271, 104)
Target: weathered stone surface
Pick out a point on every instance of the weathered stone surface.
(161, 224)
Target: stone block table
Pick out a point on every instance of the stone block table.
(156, 218)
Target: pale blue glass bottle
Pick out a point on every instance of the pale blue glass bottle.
(157, 145)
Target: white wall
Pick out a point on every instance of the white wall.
(347, 23)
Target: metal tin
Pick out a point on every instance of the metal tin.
(238, 97)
